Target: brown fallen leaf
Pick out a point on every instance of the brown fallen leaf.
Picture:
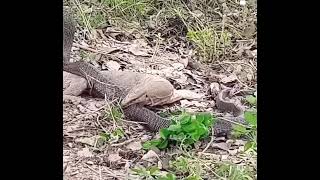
(150, 156)
(113, 65)
(233, 151)
(222, 145)
(214, 89)
(134, 146)
(178, 66)
(229, 79)
(184, 61)
(85, 152)
(114, 157)
(137, 50)
(88, 140)
(187, 94)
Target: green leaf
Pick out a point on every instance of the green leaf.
(189, 128)
(168, 176)
(205, 118)
(149, 144)
(251, 117)
(138, 171)
(195, 136)
(165, 133)
(239, 131)
(185, 119)
(118, 132)
(193, 177)
(175, 128)
(153, 170)
(163, 144)
(188, 141)
(251, 99)
(178, 137)
(248, 145)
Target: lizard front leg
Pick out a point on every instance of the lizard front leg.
(73, 86)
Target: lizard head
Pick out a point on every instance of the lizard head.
(152, 91)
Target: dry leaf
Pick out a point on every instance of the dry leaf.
(254, 53)
(85, 152)
(150, 156)
(159, 164)
(214, 89)
(233, 151)
(89, 141)
(185, 103)
(178, 66)
(187, 94)
(238, 69)
(223, 146)
(137, 50)
(145, 138)
(90, 162)
(113, 65)
(184, 61)
(134, 146)
(114, 157)
(249, 77)
(229, 79)
(224, 157)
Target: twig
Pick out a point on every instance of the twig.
(91, 168)
(228, 62)
(100, 176)
(101, 125)
(124, 142)
(228, 120)
(65, 167)
(209, 144)
(114, 120)
(87, 48)
(116, 41)
(93, 50)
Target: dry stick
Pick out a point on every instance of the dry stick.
(229, 62)
(234, 122)
(91, 168)
(113, 174)
(114, 120)
(209, 144)
(87, 48)
(123, 143)
(109, 173)
(110, 38)
(101, 125)
(65, 168)
(100, 176)
(213, 171)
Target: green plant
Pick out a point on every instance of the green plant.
(252, 100)
(186, 130)
(205, 41)
(113, 136)
(114, 113)
(209, 42)
(188, 167)
(249, 132)
(234, 172)
(130, 10)
(153, 173)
